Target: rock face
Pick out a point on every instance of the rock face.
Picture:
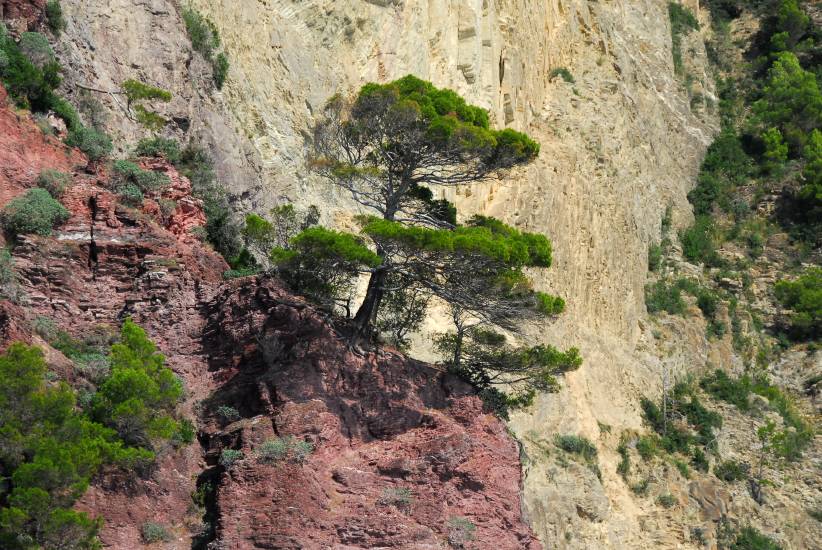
(402, 452)
(22, 15)
(25, 150)
(381, 426)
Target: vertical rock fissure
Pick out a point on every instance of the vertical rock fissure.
(206, 496)
(92, 247)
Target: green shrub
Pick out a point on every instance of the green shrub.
(186, 432)
(698, 242)
(31, 86)
(54, 181)
(159, 147)
(220, 67)
(624, 466)
(722, 386)
(563, 72)
(222, 229)
(660, 296)
(282, 448)
(54, 17)
(51, 451)
(36, 48)
(401, 497)
(731, 471)
(804, 297)
(725, 166)
(229, 457)
(202, 33)
(699, 460)
(35, 212)
(139, 398)
(682, 467)
(748, 538)
(205, 39)
(147, 181)
(227, 414)
(654, 257)
(140, 91)
(154, 532)
(95, 144)
(576, 444)
(130, 195)
(682, 21)
(646, 446)
(460, 531)
(640, 488)
(666, 500)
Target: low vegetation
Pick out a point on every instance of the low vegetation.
(35, 212)
(52, 448)
(280, 449)
(682, 21)
(205, 39)
(804, 298)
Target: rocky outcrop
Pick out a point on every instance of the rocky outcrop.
(22, 15)
(25, 151)
(381, 426)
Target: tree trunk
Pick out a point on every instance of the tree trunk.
(366, 315)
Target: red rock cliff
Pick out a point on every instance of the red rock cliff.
(401, 450)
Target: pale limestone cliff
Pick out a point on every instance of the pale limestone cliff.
(619, 145)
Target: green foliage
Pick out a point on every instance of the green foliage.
(34, 212)
(460, 531)
(790, 443)
(624, 466)
(48, 454)
(8, 276)
(220, 67)
(804, 298)
(654, 257)
(130, 195)
(731, 471)
(140, 91)
(54, 181)
(36, 47)
(54, 17)
(699, 242)
(576, 444)
(666, 501)
(222, 229)
(154, 532)
(205, 39)
(139, 398)
(229, 457)
(483, 358)
(791, 101)
(96, 145)
(147, 181)
(748, 538)
(562, 72)
(683, 404)
(202, 32)
(725, 166)
(640, 488)
(149, 119)
(660, 296)
(284, 448)
(776, 150)
(227, 414)
(646, 446)
(401, 497)
(29, 84)
(682, 22)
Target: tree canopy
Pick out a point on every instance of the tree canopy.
(388, 147)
